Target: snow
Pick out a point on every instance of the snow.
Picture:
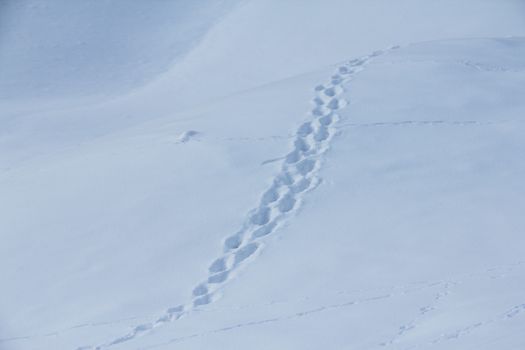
(275, 175)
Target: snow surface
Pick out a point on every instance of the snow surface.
(262, 174)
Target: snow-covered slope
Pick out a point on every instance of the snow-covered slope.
(65, 48)
(292, 178)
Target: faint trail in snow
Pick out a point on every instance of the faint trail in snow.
(501, 271)
(496, 272)
(268, 161)
(298, 175)
(479, 66)
(421, 314)
(513, 312)
(307, 312)
(425, 123)
(517, 310)
(66, 329)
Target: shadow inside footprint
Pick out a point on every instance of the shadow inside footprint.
(245, 252)
(203, 300)
(305, 166)
(218, 265)
(286, 203)
(219, 277)
(261, 216)
(201, 289)
(232, 242)
(305, 129)
(264, 230)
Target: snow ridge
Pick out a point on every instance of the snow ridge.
(298, 175)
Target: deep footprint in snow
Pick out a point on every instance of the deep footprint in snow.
(171, 314)
(301, 145)
(203, 300)
(285, 179)
(245, 252)
(261, 216)
(219, 277)
(318, 112)
(293, 157)
(219, 265)
(305, 129)
(233, 242)
(305, 166)
(271, 195)
(326, 120)
(318, 101)
(345, 70)
(286, 203)
(331, 92)
(301, 185)
(321, 134)
(200, 290)
(336, 79)
(264, 230)
(334, 104)
(356, 62)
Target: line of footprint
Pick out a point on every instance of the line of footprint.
(298, 175)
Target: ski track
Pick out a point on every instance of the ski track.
(298, 175)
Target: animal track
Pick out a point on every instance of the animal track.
(515, 311)
(298, 175)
